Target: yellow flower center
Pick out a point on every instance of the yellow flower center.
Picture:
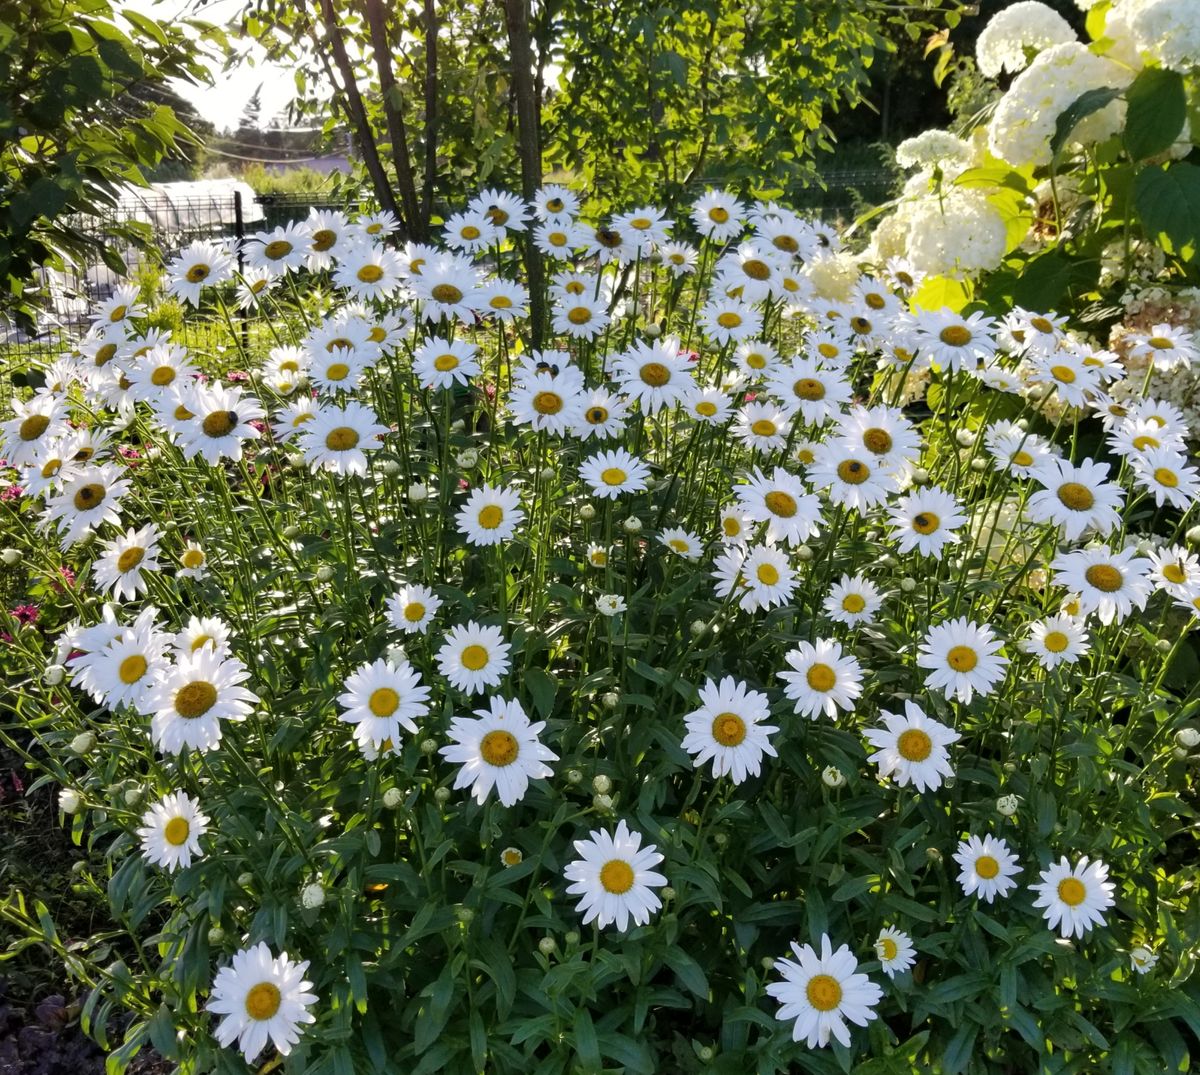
(446, 293)
(780, 503)
(414, 612)
(718, 215)
(377, 334)
(828, 350)
(118, 313)
(219, 423)
(182, 414)
(1174, 573)
(51, 468)
(962, 658)
(370, 274)
(1104, 577)
(809, 388)
(616, 876)
(926, 522)
(756, 270)
(768, 574)
(1022, 458)
(579, 315)
(1161, 343)
(263, 1001)
(728, 729)
(89, 496)
(679, 545)
(655, 374)
(756, 360)
(640, 222)
(987, 867)
(955, 335)
(914, 745)
(1166, 477)
(510, 856)
(474, 657)
(853, 472)
(195, 699)
(1063, 373)
(706, 408)
(1042, 324)
(497, 215)
(203, 640)
(764, 427)
(500, 302)
(1146, 441)
(338, 371)
(821, 677)
(613, 476)
(878, 441)
(162, 376)
(176, 831)
(445, 363)
(597, 415)
(729, 319)
(547, 403)
(1072, 891)
(279, 248)
(197, 273)
(490, 517)
(875, 300)
(33, 427)
(130, 558)
(888, 949)
(132, 668)
(557, 238)
(555, 205)
(104, 354)
(323, 239)
(499, 748)
(1075, 496)
(853, 603)
(1055, 641)
(192, 558)
(824, 992)
(383, 702)
(860, 325)
(341, 439)
(787, 243)
(470, 232)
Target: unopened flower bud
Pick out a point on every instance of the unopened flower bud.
(602, 784)
(312, 896)
(965, 438)
(392, 798)
(291, 532)
(652, 331)
(1007, 805)
(324, 573)
(132, 795)
(467, 458)
(1193, 535)
(632, 525)
(721, 839)
(805, 553)
(978, 465)
(391, 467)
(920, 476)
(1187, 737)
(465, 915)
(215, 936)
(1179, 753)
(428, 746)
(908, 584)
(417, 492)
(84, 742)
(667, 892)
(571, 937)
(1164, 645)
(587, 513)
(245, 880)
(548, 474)
(441, 796)
(10, 557)
(933, 854)
(706, 1053)
(832, 776)
(610, 700)
(574, 776)
(602, 802)
(69, 800)
(547, 945)
(699, 628)
(54, 675)
(767, 963)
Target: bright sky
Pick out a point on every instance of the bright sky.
(222, 103)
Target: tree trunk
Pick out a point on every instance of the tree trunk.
(431, 111)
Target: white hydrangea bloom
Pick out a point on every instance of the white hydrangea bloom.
(932, 147)
(959, 233)
(1168, 32)
(1024, 120)
(1015, 32)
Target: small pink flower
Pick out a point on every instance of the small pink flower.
(129, 452)
(237, 376)
(12, 492)
(260, 425)
(25, 613)
(463, 483)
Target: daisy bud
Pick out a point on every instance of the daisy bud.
(767, 963)
(245, 880)
(1022, 424)
(978, 465)
(667, 892)
(805, 553)
(602, 802)
(1007, 805)
(395, 653)
(907, 584)
(153, 453)
(602, 784)
(442, 796)
(587, 513)
(832, 776)
(920, 476)
(418, 492)
(548, 474)
(84, 742)
(1142, 959)
(467, 458)
(1179, 753)
(1037, 393)
(312, 897)
(511, 856)
(652, 331)
(547, 945)
(721, 839)
(933, 854)
(1163, 645)
(574, 776)
(324, 573)
(889, 561)
(69, 800)
(291, 532)
(872, 536)
(1187, 737)
(571, 937)
(132, 795)
(391, 467)
(10, 557)
(965, 438)
(465, 915)
(632, 525)
(699, 628)
(428, 746)
(215, 936)
(1193, 535)
(79, 867)
(392, 798)
(611, 700)
(298, 464)
(53, 675)
(706, 1054)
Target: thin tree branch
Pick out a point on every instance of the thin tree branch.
(431, 110)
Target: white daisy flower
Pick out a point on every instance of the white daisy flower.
(158, 369)
(412, 607)
(603, 415)
(369, 272)
(762, 426)
(726, 320)
(883, 433)
(1165, 474)
(792, 514)
(955, 342)
(206, 632)
(926, 521)
(582, 317)
(474, 657)
(853, 600)
(609, 474)
(822, 993)
(261, 998)
(613, 877)
(90, 497)
(559, 238)
(127, 669)
(759, 576)
(499, 749)
(505, 300)
(381, 698)
(120, 307)
(171, 831)
(471, 231)
(547, 402)
(490, 515)
(1076, 497)
(1167, 346)
(597, 556)
(37, 423)
(337, 438)
(1015, 449)
(221, 420)
(192, 699)
(506, 211)
(290, 420)
(555, 202)
(828, 347)
(1074, 898)
(440, 363)
(1142, 959)
(281, 250)
(1110, 584)
(253, 285)
(610, 604)
(1136, 438)
(986, 867)
(1066, 372)
(804, 384)
(736, 526)
(709, 405)
(912, 748)
(895, 950)
(656, 375)
(1175, 570)
(446, 287)
(756, 358)
(823, 679)
(718, 216)
(962, 659)
(682, 542)
(330, 235)
(728, 729)
(852, 478)
(679, 259)
(1056, 640)
(118, 570)
(198, 265)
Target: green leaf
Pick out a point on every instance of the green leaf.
(939, 291)
(1082, 107)
(586, 1045)
(958, 1052)
(1167, 201)
(1156, 113)
(542, 688)
(1045, 279)
(689, 972)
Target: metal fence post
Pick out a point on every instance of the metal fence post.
(239, 231)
